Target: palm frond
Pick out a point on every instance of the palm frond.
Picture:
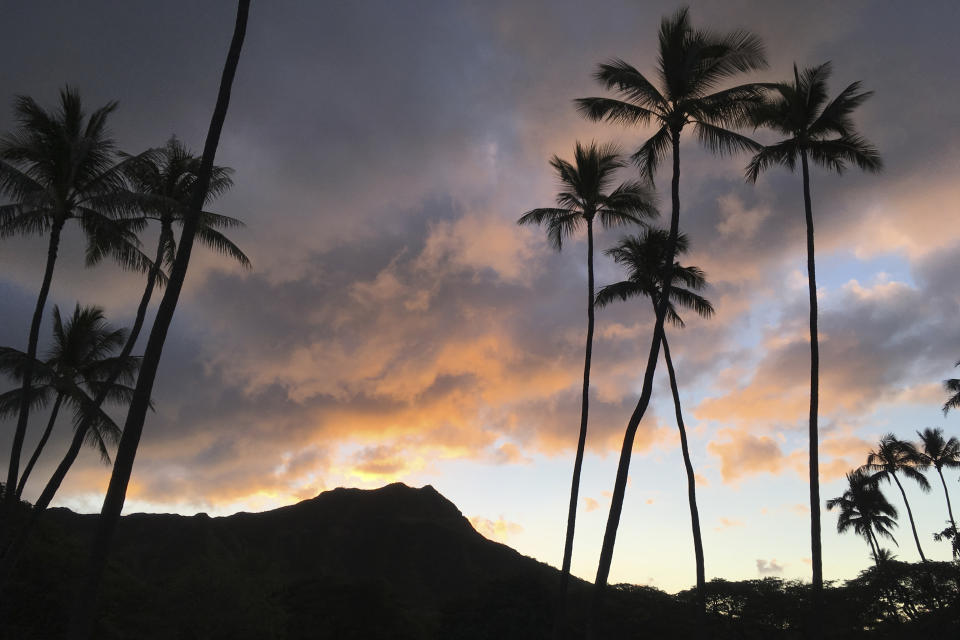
(613, 110)
(222, 245)
(783, 153)
(835, 154)
(652, 152)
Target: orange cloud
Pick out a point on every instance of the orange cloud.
(498, 530)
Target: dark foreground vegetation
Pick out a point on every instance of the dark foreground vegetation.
(404, 563)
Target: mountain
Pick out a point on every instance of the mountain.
(403, 563)
(394, 562)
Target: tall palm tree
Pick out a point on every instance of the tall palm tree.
(56, 167)
(84, 612)
(691, 65)
(893, 455)
(864, 509)
(643, 257)
(79, 361)
(586, 195)
(952, 386)
(822, 132)
(937, 452)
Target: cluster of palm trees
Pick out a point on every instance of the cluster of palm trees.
(863, 507)
(686, 92)
(61, 167)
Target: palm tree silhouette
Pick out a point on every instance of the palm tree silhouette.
(864, 509)
(57, 167)
(952, 386)
(824, 133)
(936, 452)
(84, 611)
(585, 195)
(643, 256)
(893, 455)
(692, 62)
(78, 363)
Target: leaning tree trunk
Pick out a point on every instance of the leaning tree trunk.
(40, 445)
(81, 627)
(12, 552)
(24, 416)
(913, 525)
(953, 523)
(560, 619)
(816, 550)
(623, 468)
(691, 484)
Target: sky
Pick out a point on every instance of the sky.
(398, 325)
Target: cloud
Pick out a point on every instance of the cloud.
(769, 567)
(498, 530)
(589, 504)
(727, 523)
(744, 454)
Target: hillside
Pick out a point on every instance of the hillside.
(399, 562)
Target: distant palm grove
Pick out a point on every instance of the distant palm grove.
(146, 211)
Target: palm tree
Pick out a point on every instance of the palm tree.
(84, 612)
(57, 167)
(938, 453)
(864, 509)
(824, 133)
(585, 195)
(643, 257)
(75, 370)
(692, 62)
(893, 455)
(952, 386)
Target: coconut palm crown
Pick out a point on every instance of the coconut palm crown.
(643, 257)
(864, 509)
(820, 131)
(76, 368)
(890, 457)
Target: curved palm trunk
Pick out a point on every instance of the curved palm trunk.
(953, 523)
(623, 468)
(816, 553)
(81, 627)
(691, 483)
(913, 525)
(24, 416)
(40, 445)
(560, 619)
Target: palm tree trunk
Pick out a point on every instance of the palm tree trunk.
(913, 525)
(873, 548)
(816, 552)
(623, 467)
(560, 619)
(691, 483)
(43, 441)
(24, 416)
(81, 627)
(953, 523)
